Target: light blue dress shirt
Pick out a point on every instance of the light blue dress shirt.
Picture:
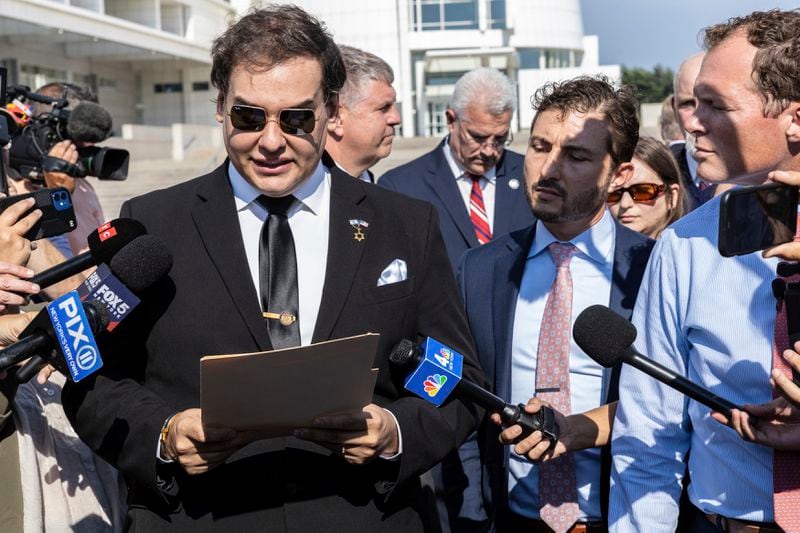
(710, 319)
(591, 269)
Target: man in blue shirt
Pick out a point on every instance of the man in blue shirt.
(582, 140)
(707, 317)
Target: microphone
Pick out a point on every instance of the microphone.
(607, 337)
(89, 122)
(65, 327)
(104, 243)
(433, 372)
(137, 266)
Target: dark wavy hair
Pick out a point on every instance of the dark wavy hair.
(776, 65)
(273, 35)
(586, 94)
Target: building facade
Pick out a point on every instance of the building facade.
(148, 60)
(431, 43)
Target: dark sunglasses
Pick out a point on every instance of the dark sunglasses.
(643, 192)
(291, 120)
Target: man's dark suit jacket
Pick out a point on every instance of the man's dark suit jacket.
(208, 305)
(489, 279)
(696, 196)
(429, 178)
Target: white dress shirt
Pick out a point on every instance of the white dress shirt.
(488, 183)
(309, 219)
(310, 222)
(591, 268)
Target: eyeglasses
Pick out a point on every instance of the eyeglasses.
(484, 142)
(293, 121)
(642, 192)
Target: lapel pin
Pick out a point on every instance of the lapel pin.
(513, 183)
(359, 226)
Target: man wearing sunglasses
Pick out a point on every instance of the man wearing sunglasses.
(362, 131)
(472, 179)
(522, 293)
(273, 250)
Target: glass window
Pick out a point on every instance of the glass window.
(168, 88)
(200, 86)
(529, 58)
(439, 15)
(497, 14)
(461, 15)
(431, 16)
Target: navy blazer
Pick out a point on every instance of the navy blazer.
(489, 279)
(429, 178)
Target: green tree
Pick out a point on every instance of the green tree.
(653, 85)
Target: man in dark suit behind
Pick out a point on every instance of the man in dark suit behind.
(322, 256)
(522, 293)
(474, 182)
(362, 131)
(698, 192)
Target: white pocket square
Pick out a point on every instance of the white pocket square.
(395, 272)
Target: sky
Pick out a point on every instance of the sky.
(643, 33)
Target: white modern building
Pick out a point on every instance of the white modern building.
(431, 43)
(148, 60)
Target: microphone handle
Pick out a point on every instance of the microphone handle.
(23, 348)
(481, 396)
(544, 420)
(679, 383)
(29, 369)
(62, 271)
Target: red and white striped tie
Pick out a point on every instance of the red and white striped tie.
(477, 211)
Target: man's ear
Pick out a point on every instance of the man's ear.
(793, 130)
(450, 115)
(219, 114)
(335, 124)
(622, 174)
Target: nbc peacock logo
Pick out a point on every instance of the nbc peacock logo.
(433, 384)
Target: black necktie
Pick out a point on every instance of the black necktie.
(278, 273)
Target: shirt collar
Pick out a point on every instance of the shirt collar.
(596, 243)
(458, 170)
(311, 193)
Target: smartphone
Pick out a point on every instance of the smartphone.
(58, 215)
(755, 218)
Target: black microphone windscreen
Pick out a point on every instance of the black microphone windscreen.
(97, 315)
(112, 236)
(142, 262)
(89, 122)
(603, 334)
(403, 354)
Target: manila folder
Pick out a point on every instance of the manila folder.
(275, 392)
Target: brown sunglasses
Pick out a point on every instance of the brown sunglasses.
(642, 192)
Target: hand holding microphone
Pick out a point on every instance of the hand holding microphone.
(434, 373)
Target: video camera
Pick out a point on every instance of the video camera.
(33, 137)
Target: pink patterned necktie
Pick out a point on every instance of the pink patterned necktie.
(785, 464)
(477, 211)
(558, 494)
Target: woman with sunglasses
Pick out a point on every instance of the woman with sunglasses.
(652, 199)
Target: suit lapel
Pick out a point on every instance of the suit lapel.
(214, 215)
(506, 199)
(440, 179)
(508, 269)
(344, 252)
